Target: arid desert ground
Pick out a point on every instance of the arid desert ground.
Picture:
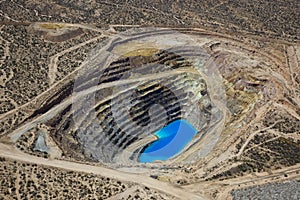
(84, 85)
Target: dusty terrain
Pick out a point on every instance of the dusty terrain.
(253, 115)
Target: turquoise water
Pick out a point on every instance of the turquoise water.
(171, 140)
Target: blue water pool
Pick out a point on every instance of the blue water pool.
(171, 140)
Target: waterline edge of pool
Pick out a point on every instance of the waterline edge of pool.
(172, 139)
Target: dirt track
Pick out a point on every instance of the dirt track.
(12, 153)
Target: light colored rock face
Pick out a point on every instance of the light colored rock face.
(240, 91)
(252, 136)
(151, 77)
(40, 144)
(136, 82)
